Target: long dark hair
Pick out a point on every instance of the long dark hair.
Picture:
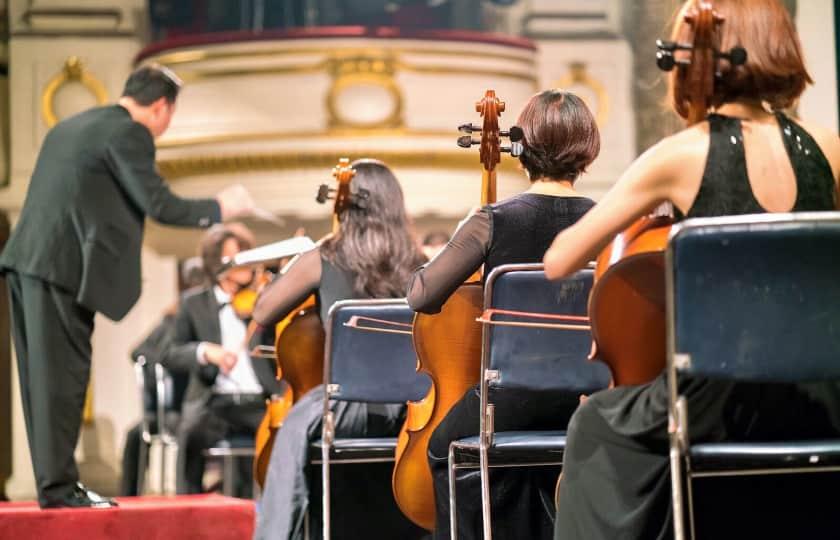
(374, 242)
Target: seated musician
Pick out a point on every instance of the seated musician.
(746, 157)
(227, 388)
(370, 256)
(560, 141)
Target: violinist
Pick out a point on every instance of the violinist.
(560, 141)
(747, 156)
(371, 255)
(227, 388)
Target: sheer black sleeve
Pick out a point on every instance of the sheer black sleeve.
(300, 278)
(433, 283)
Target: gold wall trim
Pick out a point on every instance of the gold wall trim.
(579, 75)
(193, 75)
(73, 71)
(199, 55)
(173, 169)
(341, 133)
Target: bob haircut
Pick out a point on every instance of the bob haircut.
(774, 73)
(560, 136)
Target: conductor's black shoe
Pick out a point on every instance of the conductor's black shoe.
(81, 497)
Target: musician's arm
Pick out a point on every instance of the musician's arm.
(298, 279)
(640, 189)
(433, 283)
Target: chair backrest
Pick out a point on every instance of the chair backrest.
(540, 358)
(756, 297)
(368, 365)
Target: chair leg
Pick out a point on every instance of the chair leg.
(485, 491)
(326, 440)
(690, 499)
(228, 475)
(453, 505)
(676, 493)
(163, 461)
(142, 455)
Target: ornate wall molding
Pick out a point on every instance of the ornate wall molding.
(73, 71)
(578, 75)
(175, 168)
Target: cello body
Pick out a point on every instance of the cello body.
(299, 355)
(448, 346)
(627, 304)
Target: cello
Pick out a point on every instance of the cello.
(448, 346)
(299, 343)
(630, 271)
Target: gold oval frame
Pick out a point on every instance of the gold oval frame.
(363, 70)
(73, 71)
(578, 75)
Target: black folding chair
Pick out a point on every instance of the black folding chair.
(155, 388)
(536, 337)
(750, 298)
(369, 357)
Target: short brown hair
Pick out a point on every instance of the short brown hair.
(560, 136)
(213, 241)
(774, 71)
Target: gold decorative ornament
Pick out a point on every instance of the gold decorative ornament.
(73, 71)
(359, 72)
(578, 75)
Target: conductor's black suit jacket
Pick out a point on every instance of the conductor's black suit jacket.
(81, 226)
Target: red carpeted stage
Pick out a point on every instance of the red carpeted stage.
(205, 517)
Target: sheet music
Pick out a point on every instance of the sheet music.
(272, 252)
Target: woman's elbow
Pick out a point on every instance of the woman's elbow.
(553, 265)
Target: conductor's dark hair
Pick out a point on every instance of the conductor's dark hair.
(148, 84)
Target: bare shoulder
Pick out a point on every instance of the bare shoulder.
(828, 142)
(681, 153)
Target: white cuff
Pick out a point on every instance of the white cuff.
(199, 353)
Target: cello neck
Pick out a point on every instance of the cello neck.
(488, 187)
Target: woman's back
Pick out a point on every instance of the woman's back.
(729, 165)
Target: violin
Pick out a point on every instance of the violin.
(299, 338)
(448, 345)
(630, 271)
(245, 298)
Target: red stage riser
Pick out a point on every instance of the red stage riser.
(189, 517)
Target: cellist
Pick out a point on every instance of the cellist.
(371, 255)
(746, 156)
(560, 140)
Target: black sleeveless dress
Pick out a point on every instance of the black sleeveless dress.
(616, 479)
(516, 230)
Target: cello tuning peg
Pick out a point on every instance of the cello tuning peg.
(468, 128)
(515, 148)
(514, 133)
(466, 141)
(324, 192)
(671, 46)
(665, 60)
(737, 56)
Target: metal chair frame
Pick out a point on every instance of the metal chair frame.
(677, 362)
(328, 440)
(486, 420)
(147, 438)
